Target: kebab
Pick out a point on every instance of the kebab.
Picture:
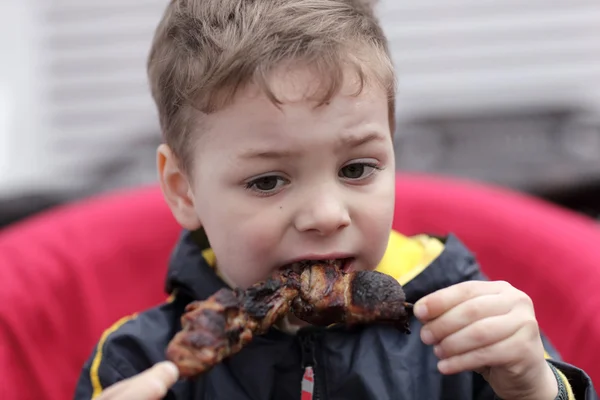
(328, 296)
(224, 323)
(318, 293)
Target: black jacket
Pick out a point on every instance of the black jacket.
(374, 362)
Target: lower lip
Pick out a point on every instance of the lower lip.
(348, 265)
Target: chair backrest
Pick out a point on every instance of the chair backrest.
(66, 275)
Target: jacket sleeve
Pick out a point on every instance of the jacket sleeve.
(578, 383)
(94, 379)
(116, 357)
(104, 368)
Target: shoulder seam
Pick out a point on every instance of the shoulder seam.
(97, 360)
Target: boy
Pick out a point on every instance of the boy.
(278, 117)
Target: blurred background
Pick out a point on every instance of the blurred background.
(503, 91)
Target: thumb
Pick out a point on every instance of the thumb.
(152, 384)
(157, 380)
(165, 371)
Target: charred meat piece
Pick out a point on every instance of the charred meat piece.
(212, 330)
(223, 324)
(268, 301)
(329, 295)
(318, 293)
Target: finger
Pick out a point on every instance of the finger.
(504, 353)
(482, 333)
(114, 391)
(154, 383)
(151, 384)
(463, 315)
(437, 303)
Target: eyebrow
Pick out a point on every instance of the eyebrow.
(268, 154)
(350, 141)
(359, 140)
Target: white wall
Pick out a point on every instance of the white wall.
(19, 96)
(466, 55)
(73, 86)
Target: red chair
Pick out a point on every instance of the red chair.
(67, 274)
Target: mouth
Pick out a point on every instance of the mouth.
(344, 264)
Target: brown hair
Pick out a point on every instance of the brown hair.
(204, 51)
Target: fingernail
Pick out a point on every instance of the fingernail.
(170, 368)
(427, 336)
(443, 366)
(420, 311)
(439, 353)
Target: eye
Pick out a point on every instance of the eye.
(358, 170)
(267, 184)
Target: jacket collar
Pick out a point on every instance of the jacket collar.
(454, 265)
(189, 272)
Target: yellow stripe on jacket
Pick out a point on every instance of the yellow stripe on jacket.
(94, 376)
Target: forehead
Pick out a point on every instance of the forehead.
(297, 112)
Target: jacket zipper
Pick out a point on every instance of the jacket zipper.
(309, 365)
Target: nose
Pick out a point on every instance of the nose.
(322, 214)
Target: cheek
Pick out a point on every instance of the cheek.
(374, 220)
(375, 225)
(258, 235)
(244, 241)
(377, 206)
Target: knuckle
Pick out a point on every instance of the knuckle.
(434, 331)
(504, 285)
(522, 347)
(447, 348)
(531, 327)
(472, 312)
(471, 287)
(523, 298)
(479, 334)
(482, 355)
(519, 357)
(517, 369)
(463, 289)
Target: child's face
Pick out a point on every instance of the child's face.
(276, 185)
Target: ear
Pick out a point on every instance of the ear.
(176, 188)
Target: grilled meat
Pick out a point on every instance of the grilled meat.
(320, 294)
(329, 296)
(223, 324)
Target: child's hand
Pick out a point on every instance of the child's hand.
(490, 328)
(151, 384)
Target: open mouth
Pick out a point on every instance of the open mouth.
(344, 264)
